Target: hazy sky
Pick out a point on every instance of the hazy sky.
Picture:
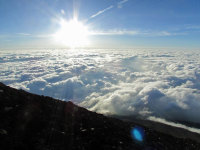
(115, 23)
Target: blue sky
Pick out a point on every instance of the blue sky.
(120, 23)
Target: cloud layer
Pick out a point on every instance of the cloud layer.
(160, 83)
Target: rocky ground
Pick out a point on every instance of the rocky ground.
(30, 122)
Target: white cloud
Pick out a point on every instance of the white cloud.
(24, 34)
(115, 32)
(195, 130)
(135, 32)
(148, 82)
(62, 11)
(101, 11)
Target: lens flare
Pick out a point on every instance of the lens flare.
(137, 134)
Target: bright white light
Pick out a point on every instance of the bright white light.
(72, 33)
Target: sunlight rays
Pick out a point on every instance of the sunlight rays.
(72, 33)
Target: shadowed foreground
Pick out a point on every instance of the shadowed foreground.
(29, 121)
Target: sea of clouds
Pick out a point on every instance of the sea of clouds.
(147, 82)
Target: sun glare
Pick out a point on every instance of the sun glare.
(72, 33)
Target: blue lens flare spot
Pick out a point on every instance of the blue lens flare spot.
(137, 134)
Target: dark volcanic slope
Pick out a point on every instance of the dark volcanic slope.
(29, 121)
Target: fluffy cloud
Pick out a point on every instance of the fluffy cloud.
(160, 83)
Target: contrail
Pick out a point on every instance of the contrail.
(121, 3)
(102, 11)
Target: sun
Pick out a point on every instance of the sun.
(72, 33)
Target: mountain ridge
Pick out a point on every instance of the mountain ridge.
(30, 121)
